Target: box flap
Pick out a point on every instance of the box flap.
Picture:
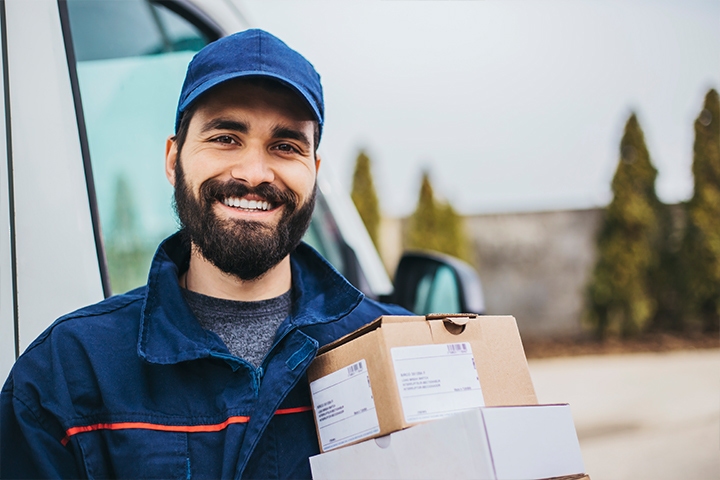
(402, 318)
(455, 318)
(369, 327)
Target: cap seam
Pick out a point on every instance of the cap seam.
(261, 58)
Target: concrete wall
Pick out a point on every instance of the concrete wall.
(534, 266)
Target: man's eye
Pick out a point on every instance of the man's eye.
(226, 139)
(286, 147)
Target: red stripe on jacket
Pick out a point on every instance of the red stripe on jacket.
(171, 428)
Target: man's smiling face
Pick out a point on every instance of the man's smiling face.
(245, 176)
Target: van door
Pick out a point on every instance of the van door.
(48, 234)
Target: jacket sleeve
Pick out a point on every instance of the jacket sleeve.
(27, 448)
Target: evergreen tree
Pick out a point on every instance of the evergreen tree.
(454, 239)
(620, 301)
(701, 248)
(666, 276)
(365, 197)
(423, 227)
(435, 225)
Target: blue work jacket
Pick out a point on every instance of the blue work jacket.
(134, 387)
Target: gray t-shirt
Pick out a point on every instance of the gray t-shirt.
(247, 328)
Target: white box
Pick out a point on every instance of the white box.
(497, 443)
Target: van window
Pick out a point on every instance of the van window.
(131, 58)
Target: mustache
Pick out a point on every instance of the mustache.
(214, 189)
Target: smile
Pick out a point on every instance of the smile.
(253, 205)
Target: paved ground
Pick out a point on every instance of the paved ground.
(640, 416)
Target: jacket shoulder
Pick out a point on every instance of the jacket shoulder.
(369, 305)
(104, 314)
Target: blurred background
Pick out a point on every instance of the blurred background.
(514, 112)
(570, 151)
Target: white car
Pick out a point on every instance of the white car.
(89, 95)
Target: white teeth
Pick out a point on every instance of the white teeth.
(246, 204)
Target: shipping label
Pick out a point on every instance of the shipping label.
(436, 381)
(344, 406)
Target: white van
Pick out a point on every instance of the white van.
(89, 95)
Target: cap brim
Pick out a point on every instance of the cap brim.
(215, 81)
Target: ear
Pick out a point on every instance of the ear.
(317, 163)
(170, 159)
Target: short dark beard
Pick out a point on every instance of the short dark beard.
(242, 248)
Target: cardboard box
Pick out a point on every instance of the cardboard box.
(498, 443)
(398, 371)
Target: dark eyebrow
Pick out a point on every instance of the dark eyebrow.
(225, 124)
(280, 131)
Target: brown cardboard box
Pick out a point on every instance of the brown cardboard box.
(398, 371)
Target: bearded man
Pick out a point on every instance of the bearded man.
(201, 373)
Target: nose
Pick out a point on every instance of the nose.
(253, 168)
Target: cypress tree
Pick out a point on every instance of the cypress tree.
(666, 284)
(423, 227)
(701, 246)
(435, 225)
(365, 197)
(620, 302)
(454, 238)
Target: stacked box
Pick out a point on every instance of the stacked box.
(398, 371)
(493, 443)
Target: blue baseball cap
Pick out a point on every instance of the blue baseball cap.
(251, 53)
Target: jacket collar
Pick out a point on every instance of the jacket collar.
(170, 333)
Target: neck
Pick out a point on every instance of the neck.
(205, 278)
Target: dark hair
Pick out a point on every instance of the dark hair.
(266, 83)
(184, 125)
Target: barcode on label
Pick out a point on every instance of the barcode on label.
(355, 368)
(457, 347)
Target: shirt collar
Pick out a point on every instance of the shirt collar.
(170, 333)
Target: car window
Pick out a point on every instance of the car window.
(437, 291)
(131, 57)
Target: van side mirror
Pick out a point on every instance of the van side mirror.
(432, 282)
